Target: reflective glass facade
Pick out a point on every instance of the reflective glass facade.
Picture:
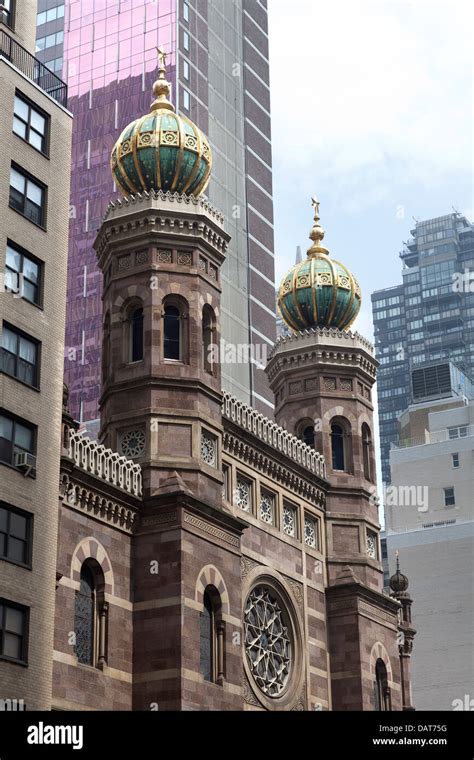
(218, 66)
(430, 316)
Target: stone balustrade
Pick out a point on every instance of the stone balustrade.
(105, 463)
(268, 431)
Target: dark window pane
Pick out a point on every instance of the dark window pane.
(16, 199)
(3, 519)
(137, 335)
(206, 639)
(172, 348)
(12, 645)
(33, 212)
(84, 617)
(3, 544)
(14, 620)
(16, 549)
(337, 442)
(18, 525)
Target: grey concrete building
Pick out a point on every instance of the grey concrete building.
(429, 316)
(35, 140)
(429, 520)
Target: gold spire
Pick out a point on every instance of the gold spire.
(317, 232)
(161, 88)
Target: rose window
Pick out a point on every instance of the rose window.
(242, 494)
(208, 448)
(267, 641)
(132, 443)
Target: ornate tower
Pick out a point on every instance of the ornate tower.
(322, 377)
(399, 588)
(160, 250)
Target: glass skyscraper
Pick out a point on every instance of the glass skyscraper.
(217, 60)
(430, 316)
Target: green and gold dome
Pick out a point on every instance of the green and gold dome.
(162, 150)
(319, 291)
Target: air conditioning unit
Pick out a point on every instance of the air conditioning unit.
(25, 462)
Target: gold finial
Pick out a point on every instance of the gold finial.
(161, 88)
(317, 232)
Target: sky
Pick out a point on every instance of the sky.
(372, 112)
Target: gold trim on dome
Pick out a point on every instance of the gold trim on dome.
(332, 308)
(200, 152)
(179, 160)
(161, 88)
(169, 137)
(158, 156)
(348, 308)
(313, 289)
(295, 300)
(134, 139)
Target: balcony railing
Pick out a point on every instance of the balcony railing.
(437, 436)
(32, 68)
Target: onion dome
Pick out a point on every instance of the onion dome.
(319, 291)
(162, 150)
(398, 582)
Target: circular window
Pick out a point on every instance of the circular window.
(132, 443)
(268, 643)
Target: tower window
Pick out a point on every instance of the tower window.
(172, 333)
(136, 335)
(212, 638)
(90, 616)
(367, 451)
(308, 435)
(208, 329)
(337, 444)
(382, 689)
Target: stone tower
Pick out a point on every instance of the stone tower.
(322, 377)
(160, 250)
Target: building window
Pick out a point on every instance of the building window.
(449, 498)
(307, 435)
(172, 333)
(455, 461)
(186, 40)
(23, 274)
(15, 535)
(136, 335)
(186, 70)
(13, 631)
(311, 532)
(457, 432)
(208, 338)
(267, 507)
(186, 100)
(16, 437)
(290, 520)
(212, 638)
(51, 15)
(185, 11)
(243, 494)
(371, 545)
(27, 196)
(19, 356)
(209, 448)
(367, 451)
(337, 445)
(30, 124)
(226, 476)
(381, 688)
(42, 43)
(84, 617)
(7, 12)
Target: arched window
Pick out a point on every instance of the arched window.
(84, 619)
(307, 435)
(90, 616)
(106, 347)
(208, 338)
(172, 333)
(367, 451)
(383, 700)
(212, 638)
(338, 447)
(136, 335)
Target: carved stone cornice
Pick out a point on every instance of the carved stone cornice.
(308, 357)
(101, 506)
(276, 470)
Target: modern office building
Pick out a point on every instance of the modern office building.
(217, 60)
(429, 518)
(35, 160)
(430, 316)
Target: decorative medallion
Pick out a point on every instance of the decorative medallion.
(141, 257)
(242, 496)
(164, 257)
(268, 644)
(267, 507)
(186, 259)
(289, 520)
(372, 545)
(208, 449)
(310, 538)
(132, 443)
